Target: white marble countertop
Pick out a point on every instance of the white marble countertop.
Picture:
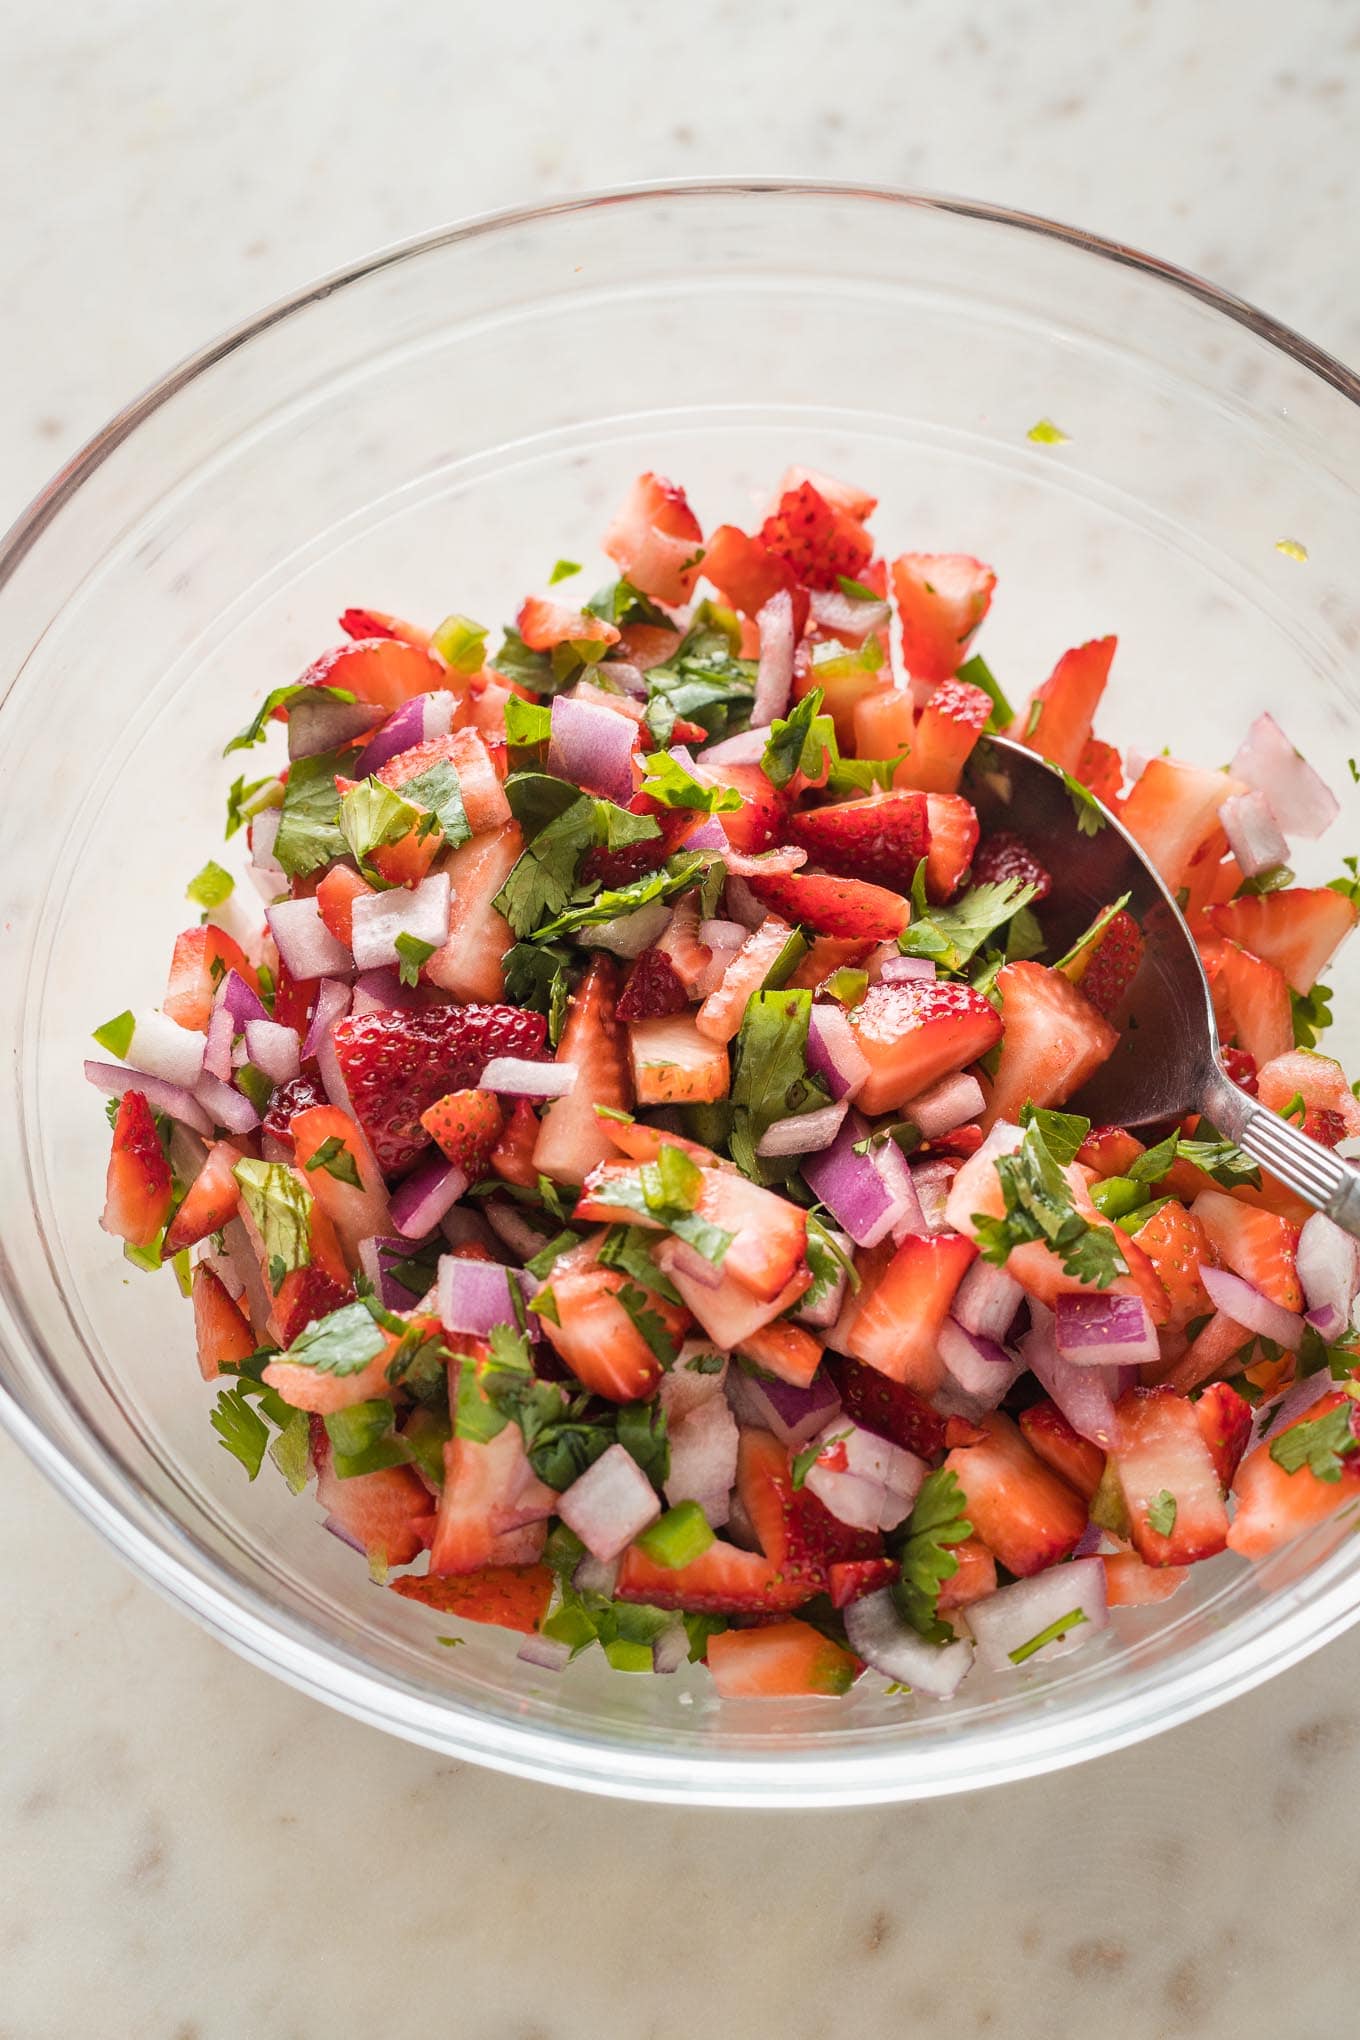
(190, 1850)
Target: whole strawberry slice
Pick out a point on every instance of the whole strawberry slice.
(819, 542)
(396, 1064)
(1007, 855)
(833, 906)
(883, 837)
(652, 990)
(465, 1125)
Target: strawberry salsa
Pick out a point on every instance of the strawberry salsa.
(614, 1139)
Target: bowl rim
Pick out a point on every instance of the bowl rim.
(243, 1618)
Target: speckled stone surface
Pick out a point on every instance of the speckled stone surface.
(191, 1851)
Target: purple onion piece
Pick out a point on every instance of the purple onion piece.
(420, 1202)
(332, 1004)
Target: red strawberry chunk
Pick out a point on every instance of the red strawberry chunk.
(376, 623)
(760, 821)
(1101, 768)
(1224, 1419)
(882, 838)
(894, 1320)
(618, 867)
(465, 1125)
(1054, 1040)
(298, 1095)
(652, 989)
(222, 1331)
(798, 1534)
(888, 1407)
(1274, 1505)
(913, 1032)
(849, 1579)
(1258, 1245)
(1298, 930)
(1024, 1513)
(139, 1188)
(722, 1581)
(833, 906)
(975, 1576)
(746, 574)
(209, 1202)
(953, 839)
(544, 625)
(395, 1064)
(941, 599)
(1163, 1461)
(1046, 1431)
(305, 1294)
(946, 730)
(506, 1596)
(656, 541)
(1007, 855)
(1058, 722)
(1106, 971)
(818, 541)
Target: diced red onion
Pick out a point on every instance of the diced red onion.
(463, 1227)
(1081, 1393)
(225, 1105)
(897, 970)
(240, 1001)
(625, 675)
(379, 919)
(1013, 1616)
(986, 1301)
(274, 1049)
(628, 934)
(977, 1364)
(339, 1529)
(420, 1202)
(1105, 1331)
(891, 1163)
(596, 1576)
(860, 1504)
(1327, 1321)
(315, 724)
(854, 1190)
(1296, 1401)
(707, 834)
(1089, 1541)
(164, 1049)
(932, 1179)
(833, 1054)
(950, 1102)
(794, 1414)
(217, 1052)
(823, 1312)
(332, 1004)
(417, 721)
(703, 1461)
(879, 1635)
(511, 1229)
(746, 748)
(850, 618)
(306, 946)
(610, 1504)
(741, 903)
(1328, 1265)
(694, 1266)
(266, 874)
(723, 941)
(774, 674)
(382, 991)
(805, 1134)
(375, 1255)
(1254, 836)
(670, 1649)
(592, 747)
(518, 1076)
(688, 1384)
(112, 1079)
(1254, 1312)
(475, 1296)
(871, 1457)
(546, 1653)
(1302, 803)
(716, 934)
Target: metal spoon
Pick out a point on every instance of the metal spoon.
(1168, 1061)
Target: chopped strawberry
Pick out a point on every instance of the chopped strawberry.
(846, 496)
(222, 1331)
(818, 541)
(975, 1576)
(760, 821)
(544, 625)
(465, 1126)
(384, 670)
(469, 964)
(778, 1661)
(1256, 995)
(210, 1201)
(953, 839)
(356, 1207)
(1006, 855)
(388, 1513)
(1109, 1151)
(597, 1336)
(1177, 1245)
(746, 573)
(335, 897)
(376, 623)
(894, 1319)
(1220, 1346)
(784, 1350)
(1168, 1478)
(571, 1139)
(506, 1596)
(1255, 1244)
(620, 867)
(396, 1063)
(672, 1063)
(493, 1510)
(1319, 1081)
(512, 1158)
(798, 1535)
(479, 783)
(1047, 1432)
(946, 730)
(1131, 1584)
(1106, 968)
(202, 958)
(1274, 1505)
(1224, 1419)
(1054, 1040)
(912, 1032)
(1101, 768)
(1172, 809)
(1298, 930)
(139, 1189)
(289, 1099)
(651, 990)
(849, 1579)
(722, 1581)
(304, 1295)
(722, 1012)
(1024, 1513)
(941, 599)
(833, 906)
(1241, 1067)
(656, 541)
(890, 1408)
(882, 837)
(1057, 723)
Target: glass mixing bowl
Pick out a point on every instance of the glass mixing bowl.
(429, 431)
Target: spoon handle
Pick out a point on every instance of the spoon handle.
(1328, 1183)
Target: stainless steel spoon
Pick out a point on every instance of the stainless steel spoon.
(1168, 1061)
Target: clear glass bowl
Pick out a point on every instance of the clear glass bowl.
(430, 431)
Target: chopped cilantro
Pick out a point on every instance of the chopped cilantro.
(309, 827)
(241, 1430)
(629, 1249)
(1222, 1159)
(704, 681)
(244, 801)
(1072, 1620)
(412, 953)
(857, 591)
(770, 1077)
(342, 1343)
(864, 775)
(335, 1158)
(922, 1545)
(514, 661)
(1276, 879)
(563, 571)
(461, 644)
(1091, 817)
(211, 887)
(668, 1190)
(536, 977)
(372, 814)
(622, 604)
(527, 723)
(951, 936)
(1091, 936)
(1349, 885)
(642, 1434)
(1039, 1206)
(291, 1450)
(1154, 1162)
(648, 1323)
(978, 674)
(281, 697)
(802, 741)
(281, 1208)
(541, 885)
(1063, 1132)
(439, 791)
(1312, 1013)
(116, 1036)
(1161, 1513)
(1319, 1443)
(675, 876)
(669, 783)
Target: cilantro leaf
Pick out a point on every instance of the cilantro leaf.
(951, 936)
(1063, 1132)
(1222, 1159)
(978, 674)
(1319, 1443)
(642, 1434)
(675, 876)
(703, 680)
(281, 1208)
(668, 1191)
(629, 1249)
(527, 723)
(1039, 1206)
(542, 882)
(309, 826)
(1091, 817)
(1349, 885)
(864, 775)
(1312, 1014)
(937, 1520)
(291, 1450)
(621, 603)
(439, 791)
(1089, 937)
(801, 741)
(412, 952)
(770, 1077)
(244, 801)
(1161, 1513)
(283, 697)
(372, 814)
(341, 1343)
(514, 661)
(1151, 1166)
(335, 1158)
(670, 783)
(240, 1429)
(536, 977)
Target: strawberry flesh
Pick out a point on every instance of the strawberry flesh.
(652, 990)
(396, 1064)
(1006, 855)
